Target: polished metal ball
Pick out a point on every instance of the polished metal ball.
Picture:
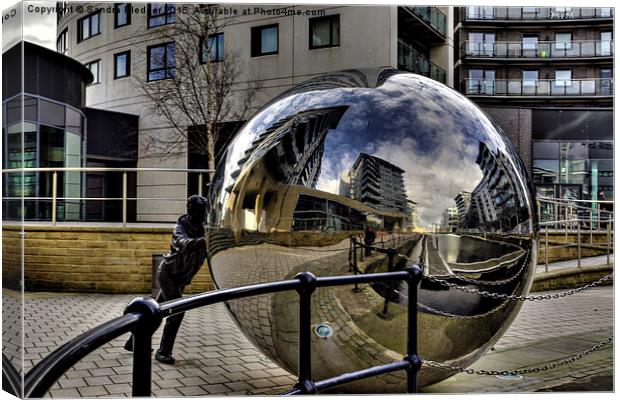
(378, 156)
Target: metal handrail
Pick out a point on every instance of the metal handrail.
(569, 216)
(539, 13)
(539, 87)
(143, 316)
(412, 60)
(55, 198)
(540, 49)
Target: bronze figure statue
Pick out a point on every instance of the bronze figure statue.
(178, 268)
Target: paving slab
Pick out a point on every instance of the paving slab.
(215, 358)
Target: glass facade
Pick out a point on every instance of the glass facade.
(49, 136)
(572, 153)
(575, 170)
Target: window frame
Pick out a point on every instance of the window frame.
(148, 61)
(166, 15)
(331, 18)
(116, 13)
(564, 47)
(63, 35)
(534, 81)
(256, 40)
(80, 28)
(564, 82)
(127, 64)
(88, 64)
(202, 59)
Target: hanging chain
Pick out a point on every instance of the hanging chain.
(521, 297)
(525, 371)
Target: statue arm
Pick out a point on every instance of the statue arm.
(182, 241)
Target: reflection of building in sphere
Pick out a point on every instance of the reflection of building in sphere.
(495, 202)
(378, 184)
(450, 219)
(463, 202)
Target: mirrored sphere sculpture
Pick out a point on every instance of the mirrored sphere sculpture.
(397, 154)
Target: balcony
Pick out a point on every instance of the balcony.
(431, 16)
(538, 51)
(542, 87)
(477, 13)
(409, 59)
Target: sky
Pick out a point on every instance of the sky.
(38, 27)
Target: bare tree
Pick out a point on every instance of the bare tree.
(205, 89)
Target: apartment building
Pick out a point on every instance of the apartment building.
(283, 46)
(545, 75)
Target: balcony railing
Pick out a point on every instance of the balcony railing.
(540, 50)
(536, 13)
(431, 16)
(540, 87)
(411, 60)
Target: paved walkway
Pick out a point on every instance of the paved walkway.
(213, 356)
(585, 262)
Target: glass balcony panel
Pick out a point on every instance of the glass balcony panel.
(514, 87)
(587, 49)
(588, 87)
(538, 13)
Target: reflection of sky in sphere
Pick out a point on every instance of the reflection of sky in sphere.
(419, 125)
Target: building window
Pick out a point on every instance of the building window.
(325, 32)
(264, 40)
(563, 41)
(530, 42)
(89, 26)
(606, 84)
(481, 43)
(161, 14)
(61, 42)
(563, 77)
(606, 43)
(95, 68)
(481, 81)
(122, 15)
(161, 61)
(480, 12)
(530, 78)
(215, 45)
(122, 64)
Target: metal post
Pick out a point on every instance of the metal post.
(566, 224)
(390, 254)
(412, 329)
(124, 198)
(54, 195)
(591, 225)
(150, 319)
(304, 371)
(608, 240)
(579, 246)
(200, 184)
(546, 248)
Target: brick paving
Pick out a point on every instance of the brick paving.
(214, 357)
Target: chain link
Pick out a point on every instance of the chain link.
(525, 371)
(548, 296)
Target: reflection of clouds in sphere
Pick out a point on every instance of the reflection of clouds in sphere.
(410, 160)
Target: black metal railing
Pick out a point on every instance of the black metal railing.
(143, 316)
(539, 87)
(431, 16)
(538, 50)
(409, 59)
(536, 13)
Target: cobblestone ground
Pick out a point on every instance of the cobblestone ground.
(213, 356)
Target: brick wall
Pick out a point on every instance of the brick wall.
(517, 125)
(89, 259)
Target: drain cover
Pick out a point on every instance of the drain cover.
(511, 377)
(323, 331)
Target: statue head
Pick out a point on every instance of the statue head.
(196, 208)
